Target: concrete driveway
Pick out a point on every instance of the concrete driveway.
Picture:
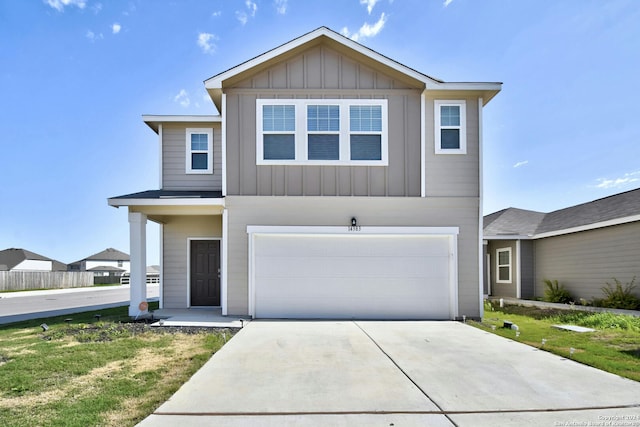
(345, 373)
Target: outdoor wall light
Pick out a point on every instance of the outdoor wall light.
(354, 222)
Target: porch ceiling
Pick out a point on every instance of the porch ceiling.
(159, 204)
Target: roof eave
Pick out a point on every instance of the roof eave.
(215, 84)
(488, 90)
(154, 121)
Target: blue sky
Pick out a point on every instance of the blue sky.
(76, 76)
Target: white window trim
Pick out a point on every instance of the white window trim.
(189, 151)
(463, 126)
(301, 147)
(498, 265)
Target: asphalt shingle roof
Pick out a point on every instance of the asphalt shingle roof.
(522, 222)
(11, 257)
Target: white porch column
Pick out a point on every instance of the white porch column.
(138, 248)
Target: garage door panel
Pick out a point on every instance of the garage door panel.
(304, 267)
(285, 245)
(352, 276)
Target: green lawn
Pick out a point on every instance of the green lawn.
(95, 372)
(613, 347)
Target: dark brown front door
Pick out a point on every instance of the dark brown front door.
(205, 272)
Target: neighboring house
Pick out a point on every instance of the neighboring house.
(582, 247)
(335, 183)
(14, 259)
(108, 262)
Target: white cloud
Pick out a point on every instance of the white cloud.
(182, 98)
(59, 5)
(625, 179)
(370, 4)
(115, 28)
(216, 13)
(97, 8)
(243, 16)
(281, 6)
(93, 36)
(253, 7)
(367, 30)
(517, 165)
(447, 3)
(206, 42)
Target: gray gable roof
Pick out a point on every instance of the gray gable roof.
(108, 254)
(613, 207)
(512, 221)
(522, 222)
(11, 257)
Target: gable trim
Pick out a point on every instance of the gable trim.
(593, 226)
(215, 82)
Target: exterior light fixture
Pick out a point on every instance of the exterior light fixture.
(354, 222)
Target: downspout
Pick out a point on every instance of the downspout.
(480, 208)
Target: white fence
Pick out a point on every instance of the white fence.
(24, 280)
(125, 279)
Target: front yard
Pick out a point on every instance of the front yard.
(613, 347)
(95, 371)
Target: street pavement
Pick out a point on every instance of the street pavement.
(18, 306)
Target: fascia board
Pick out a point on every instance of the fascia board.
(595, 225)
(215, 82)
(154, 120)
(508, 237)
(166, 202)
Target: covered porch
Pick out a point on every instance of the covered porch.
(186, 218)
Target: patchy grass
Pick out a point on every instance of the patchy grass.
(85, 372)
(614, 346)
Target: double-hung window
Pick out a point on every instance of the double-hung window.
(279, 126)
(503, 265)
(199, 151)
(450, 127)
(322, 132)
(365, 126)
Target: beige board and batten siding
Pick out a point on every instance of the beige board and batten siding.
(583, 262)
(323, 73)
(175, 233)
(452, 175)
(337, 211)
(174, 157)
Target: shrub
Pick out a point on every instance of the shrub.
(620, 297)
(555, 292)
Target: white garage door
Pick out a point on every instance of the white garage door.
(362, 276)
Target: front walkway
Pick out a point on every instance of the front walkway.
(197, 317)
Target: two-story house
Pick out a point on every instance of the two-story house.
(335, 183)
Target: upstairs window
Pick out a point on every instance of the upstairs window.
(321, 132)
(199, 151)
(365, 126)
(450, 127)
(279, 126)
